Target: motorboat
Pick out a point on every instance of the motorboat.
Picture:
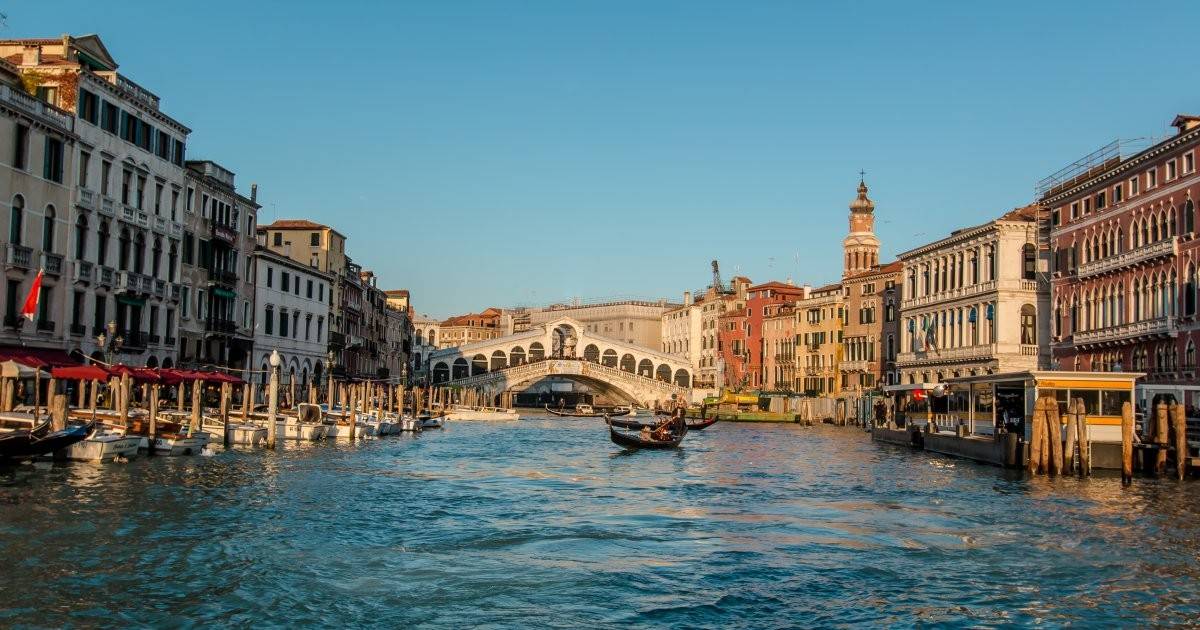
(103, 445)
(429, 421)
(462, 412)
(584, 410)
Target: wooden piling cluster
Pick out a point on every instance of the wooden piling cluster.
(1047, 452)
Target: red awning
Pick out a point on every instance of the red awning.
(80, 373)
(36, 357)
(222, 377)
(144, 375)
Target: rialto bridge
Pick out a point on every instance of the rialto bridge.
(564, 348)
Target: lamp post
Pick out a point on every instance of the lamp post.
(110, 342)
(329, 379)
(273, 398)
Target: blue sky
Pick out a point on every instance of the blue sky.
(492, 153)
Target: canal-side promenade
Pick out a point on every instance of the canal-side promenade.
(543, 522)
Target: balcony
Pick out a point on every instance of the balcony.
(45, 325)
(153, 338)
(1145, 253)
(220, 276)
(19, 256)
(52, 263)
(82, 272)
(855, 366)
(147, 284)
(159, 224)
(85, 199)
(78, 330)
(108, 207)
(143, 219)
(128, 213)
(176, 292)
(354, 341)
(169, 342)
(223, 233)
(106, 276)
(220, 326)
(134, 282)
(38, 108)
(160, 289)
(337, 339)
(948, 295)
(1136, 331)
(948, 355)
(133, 340)
(176, 229)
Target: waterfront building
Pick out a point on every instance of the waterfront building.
(426, 333)
(292, 300)
(711, 372)
(1123, 232)
(975, 302)
(39, 194)
(216, 313)
(681, 329)
(733, 343)
(819, 318)
(633, 321)
(759, 299)
(124, 168)
(779, 348)
(463, 329)
(870, 329)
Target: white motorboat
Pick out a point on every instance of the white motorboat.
(247, 434)
(290, 429)
(177, 444)
(408, 423)
(481, 413)
(431, 422)
(103, 446)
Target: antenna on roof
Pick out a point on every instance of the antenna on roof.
(717, 284)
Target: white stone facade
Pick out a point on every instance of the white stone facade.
(292, 317)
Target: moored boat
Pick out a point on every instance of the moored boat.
(584, 410)
(458, 412)
(629, 440)
(104, 444)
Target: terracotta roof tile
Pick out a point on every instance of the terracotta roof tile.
(295, 224)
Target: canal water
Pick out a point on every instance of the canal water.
(545, 522)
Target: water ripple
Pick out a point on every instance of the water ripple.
(544, 522)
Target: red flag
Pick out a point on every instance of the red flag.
(29, 311)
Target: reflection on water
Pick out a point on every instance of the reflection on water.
(546, 522)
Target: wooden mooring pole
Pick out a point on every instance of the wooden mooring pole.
(272, 404)
(1161, 439)
(1126, 443)
(1179, 420)
(1038, 438)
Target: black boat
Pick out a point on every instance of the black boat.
(17, 443)
(60, 439)
(629, 440)
(698, 425)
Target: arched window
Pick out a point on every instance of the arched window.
(102, 243)
(156, 257)
(1145, 231)
(139, 252)
(1172, 224)
(123, 242)
(172, 257)
(1189, 291)
(516, 356)
(537, 352)
(16, 220)
(1029, 268)
(81, 226)
(48, 230)
(1189, 217)
(1189, 356)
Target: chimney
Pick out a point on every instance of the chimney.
(31, 55)
(253, 193)
(687, 298)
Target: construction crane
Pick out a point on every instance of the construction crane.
(717, 285)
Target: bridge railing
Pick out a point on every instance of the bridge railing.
(581, 367)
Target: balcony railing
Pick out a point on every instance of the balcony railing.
(1160, 327)
(221, 276)
(221, 326)
(133, 339)
(159, 225)
(176, 229)
(176, 292)
(78, 330)
(169, 341)
(108, 207)
(82, 272)
(153, 338)
(106, 276)
(37, 107)
(45, 325)
(966, 353)
(950, 294)
(855, 366)
(1169, 247)
(19, 256)
(160, 288)
(85, 199)
(337, 339)
(52, 263)
(129, 213)
(134, 282)
(223, 233)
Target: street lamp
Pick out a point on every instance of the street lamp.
(110, 342)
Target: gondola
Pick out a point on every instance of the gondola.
(698, 425)
(633, 441)
(58, 439)
(17, 443)
(586, 412)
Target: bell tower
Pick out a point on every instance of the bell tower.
(861, 247)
